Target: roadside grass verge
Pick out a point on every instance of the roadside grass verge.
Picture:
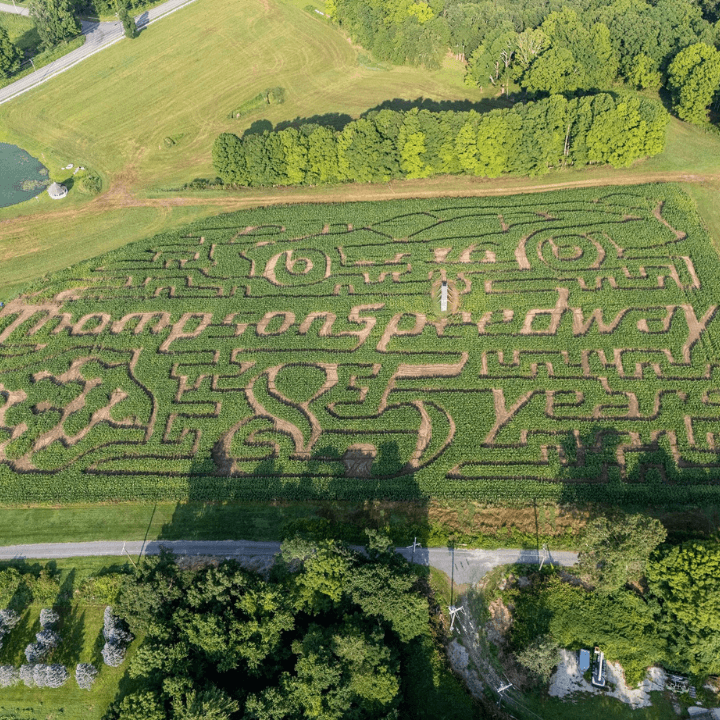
(436, 523)
(44, 58)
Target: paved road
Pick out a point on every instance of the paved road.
(98, 36)
(14, 9)
(464, 566)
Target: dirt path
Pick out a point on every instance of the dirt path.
(120, 196)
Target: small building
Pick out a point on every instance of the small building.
(57, 191)
(584, 661)
(598, 674)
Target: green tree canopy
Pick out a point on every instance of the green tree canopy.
(528, 138)
(54, 20)
(324, 637)
(693, 79)
(685, 581)
(616, 551)
(9, 55)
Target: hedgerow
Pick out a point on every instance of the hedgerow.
(300, 352)
(527, 139)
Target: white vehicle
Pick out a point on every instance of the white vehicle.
(598, 674)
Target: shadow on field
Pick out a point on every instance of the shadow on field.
(338, 121)
(334, 120)
(643, 479)
(335, 507)
(422, 103)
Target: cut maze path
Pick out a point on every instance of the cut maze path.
(144, 367)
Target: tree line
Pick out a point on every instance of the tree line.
(550, 47)
(527, 139)
(329, 634)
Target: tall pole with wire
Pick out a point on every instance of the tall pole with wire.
(415, 544)
(501, 690)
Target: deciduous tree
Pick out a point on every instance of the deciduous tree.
(693, 79)
(54, 20)
(10, 55)
(616, 551)
(685, 581)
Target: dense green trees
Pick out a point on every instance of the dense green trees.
(577, 57)
(402, 31)
(325, 637)
(675, 621)
(685, 581)
(693, 80)
(548, 47)
(526, 139)
(9, 55)
(55, 20)
(127, 20)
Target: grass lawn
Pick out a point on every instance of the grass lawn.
(185, 89)
(598, 707)
(434, 522)
(21, 30)
(80, 627)
(113, 112)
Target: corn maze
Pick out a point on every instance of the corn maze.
(301, 351)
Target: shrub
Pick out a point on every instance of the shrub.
(35, 652)
(51, 676)
(116, 637)
(10, 582)
(9, 676)
(47, 640)
(26, 675)
(540, 657)
(113, 654)
(91, 183)
(85, 675)
(102, 589)
(48, 617)
(8, 620)
(275, 95)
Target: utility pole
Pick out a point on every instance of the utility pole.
(415, 544)
(501, 690)
(545, 556)
(453, 612)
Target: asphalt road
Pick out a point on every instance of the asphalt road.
(14, 9)
(98, 36)
(464, 566)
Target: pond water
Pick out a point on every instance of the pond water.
(21, 176)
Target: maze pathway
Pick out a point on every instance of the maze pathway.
(302, 351)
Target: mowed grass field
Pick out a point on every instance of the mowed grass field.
(181, 78)
(80, 628)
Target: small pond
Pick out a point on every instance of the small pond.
(21, 176)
